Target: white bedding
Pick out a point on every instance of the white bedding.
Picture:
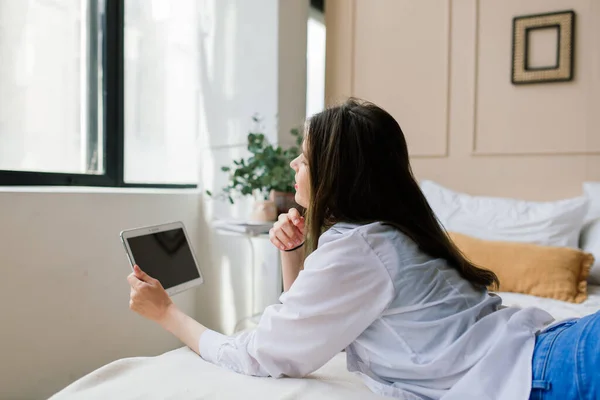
(181, 374)
(558, 309)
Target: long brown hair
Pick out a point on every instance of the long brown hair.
(360, 172)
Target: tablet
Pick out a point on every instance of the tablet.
(164, 252)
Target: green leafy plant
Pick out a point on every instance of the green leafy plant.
(267, 169)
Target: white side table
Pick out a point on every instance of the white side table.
(249, 236)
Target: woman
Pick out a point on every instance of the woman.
(371, 271)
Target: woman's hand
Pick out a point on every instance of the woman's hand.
(147, 296)
(288, 232)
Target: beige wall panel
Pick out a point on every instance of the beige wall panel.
(592, 169)
(545, 118)
(401, 62)
(339, 44)
(513, 171)
(538, 178)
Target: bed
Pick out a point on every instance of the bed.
(560, 310)
(181, 374)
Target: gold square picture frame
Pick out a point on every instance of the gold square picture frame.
(562, 69)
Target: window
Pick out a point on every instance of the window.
(161, 90)
(98, 93)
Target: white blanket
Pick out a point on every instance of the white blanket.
(181, 374)
(558, 309)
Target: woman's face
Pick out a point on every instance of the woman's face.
(300, 166)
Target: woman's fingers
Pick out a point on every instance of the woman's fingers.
(297, 220)
(293, 214)
(134, 282)
(293, 226)
(299, 224)
(275, 240)
(149, 299)
(289, 234)
(142, 276)
(288, 231)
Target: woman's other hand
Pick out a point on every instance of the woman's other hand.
(147, 296)
(288, 232)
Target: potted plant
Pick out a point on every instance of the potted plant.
(266, 174)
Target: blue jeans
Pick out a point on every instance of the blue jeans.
(566, 361)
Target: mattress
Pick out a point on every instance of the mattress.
(560, 310)
(181, 374)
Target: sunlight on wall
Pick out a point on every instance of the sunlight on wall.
(206, 32)
(207, 178)
(161, 9)
(315, 64)
(238, 78)
(267, 274)
(227, 298)
(229, 48)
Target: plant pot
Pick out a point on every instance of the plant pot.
(284, 201)
(264, 211)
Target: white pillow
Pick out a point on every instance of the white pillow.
(590, 243)
(590, 236)
(592, 192)
(555, 223)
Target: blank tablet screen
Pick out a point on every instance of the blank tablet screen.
(165, 256)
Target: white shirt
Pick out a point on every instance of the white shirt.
(411, 326)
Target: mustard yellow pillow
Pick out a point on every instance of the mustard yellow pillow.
(553, 272)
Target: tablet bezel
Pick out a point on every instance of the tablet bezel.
(147, 230)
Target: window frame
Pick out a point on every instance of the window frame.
(318, 5)
(113, 120)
